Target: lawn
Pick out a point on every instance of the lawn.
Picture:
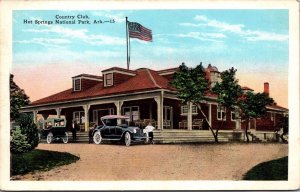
(39, 160)
(271, 170)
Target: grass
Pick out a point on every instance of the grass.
(271, 170)
(39, 160)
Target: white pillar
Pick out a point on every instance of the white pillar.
(159, 112)
(189, 116)
(35, 116)
(237, 119)
(118, 105)
(86, 117)
(45, 116)
(58, 110)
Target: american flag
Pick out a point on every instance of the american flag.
(138, 31)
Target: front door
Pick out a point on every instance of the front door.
(168, 117)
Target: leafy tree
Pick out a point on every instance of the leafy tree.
(191, 85)
(228, 91)
(253, 106)
(29, 129)
(18, 98)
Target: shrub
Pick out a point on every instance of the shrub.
(18, 141)
(27, 131)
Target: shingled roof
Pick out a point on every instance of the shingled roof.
(145, 79)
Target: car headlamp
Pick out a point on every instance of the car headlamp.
(134, 130)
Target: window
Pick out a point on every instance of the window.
(108, 79)
(132, 112)
(221, 113)
(214, 78)
(77, 84)
(233, 117)
(78, 116)
(184, 110)
(272, 116)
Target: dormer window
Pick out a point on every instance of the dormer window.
(108, 79)
(77, 84)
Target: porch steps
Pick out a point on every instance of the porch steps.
(184, 136)
(254, 138)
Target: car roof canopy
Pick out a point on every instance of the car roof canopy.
(114, 117)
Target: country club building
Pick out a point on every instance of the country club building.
(144, 95)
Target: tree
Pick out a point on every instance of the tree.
(24, 137)
(191, 85)
(228, 91)
(253, 106)
(18, 98)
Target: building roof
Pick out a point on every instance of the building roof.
(119, 69)
(277, 108)
(247, 88)
(145, 79)
(88, 75)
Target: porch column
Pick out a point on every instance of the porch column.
(237, 120)
(35, 116)
(58, 110)
(159, 102)
(45, 116)
(86, 117)
(118, 105)
(189, 116)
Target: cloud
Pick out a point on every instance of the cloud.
(118, 17)
(55, 42)
(238, 29)
(203, 36)
(80, 34)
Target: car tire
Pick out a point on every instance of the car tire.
(49, 137)
(127, 139)
(65, 138)
(97, 137)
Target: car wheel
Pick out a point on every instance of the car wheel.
(49, 137)
(97, 137)
(65, 138)
(127, 139)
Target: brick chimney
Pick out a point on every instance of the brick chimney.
(266, 88)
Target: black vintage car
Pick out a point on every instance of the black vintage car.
(54, 129)
(116, 128)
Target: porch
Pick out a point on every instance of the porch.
(161, 110)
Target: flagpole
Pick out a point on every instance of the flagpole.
(127, 42)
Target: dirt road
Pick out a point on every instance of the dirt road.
(159, 162)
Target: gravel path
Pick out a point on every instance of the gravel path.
(159, 162)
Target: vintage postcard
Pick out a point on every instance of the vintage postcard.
(149, 95)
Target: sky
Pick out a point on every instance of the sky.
(46, 55)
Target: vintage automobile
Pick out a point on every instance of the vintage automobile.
(54, 129)
(116, 128)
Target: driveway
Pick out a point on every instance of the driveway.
(159, 162)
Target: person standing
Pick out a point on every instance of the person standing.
(74, 128)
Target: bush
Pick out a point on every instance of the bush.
(27, 131)
(18, 142)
